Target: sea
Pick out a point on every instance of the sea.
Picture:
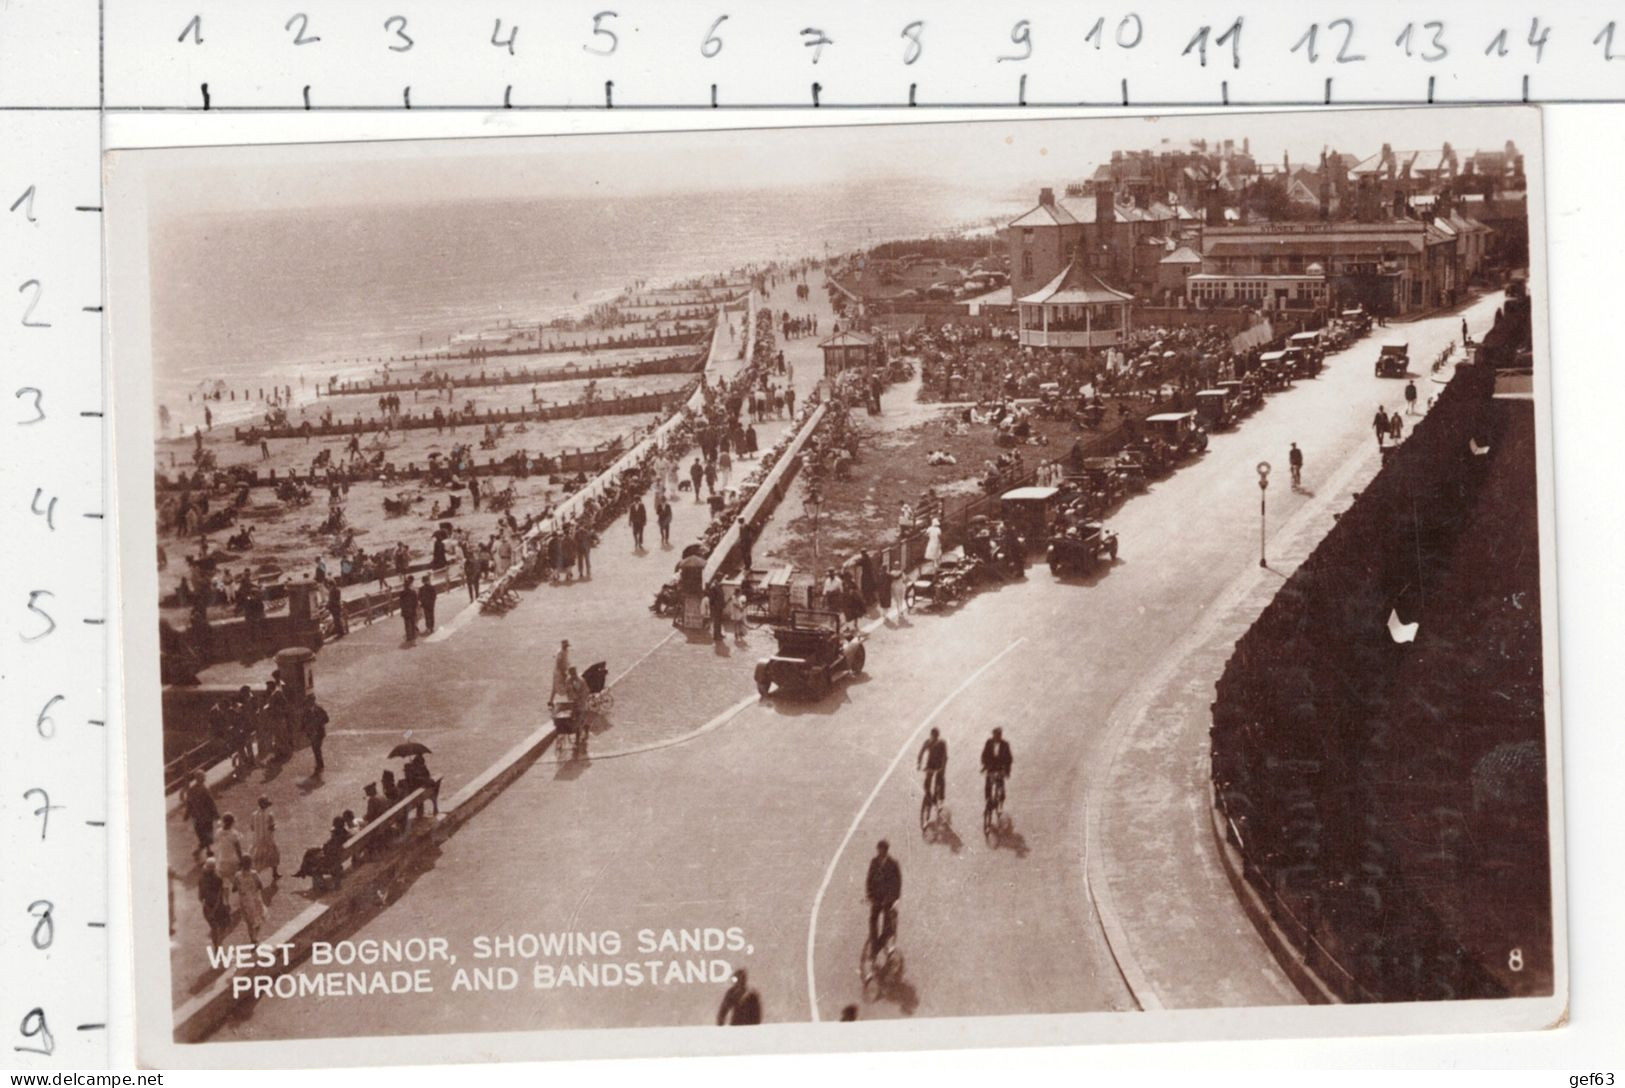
(254, 299)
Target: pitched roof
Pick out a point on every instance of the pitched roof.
(1045, 215)
(1074, 286)
(846, 338)
(1183, 255)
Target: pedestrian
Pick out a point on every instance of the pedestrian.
(663, 515)
(696, 473)
(1396, 426)
(790, 401)
(315, 719)
(750, 441)
(719, 605)
(408, 600)
(251, 901)
(736, 616)
(1294, 459)
(262, 826)
(710, 478)
(561, 671)
(1464, 332)
(933, 543)
(228, 852)
(426, 598)
(637, 518)
(211, 895)
(725, 464)
(747, 538)
(584, 542)
(741, 1004)
(202, 811)
(335, 608)
(471, 572)
(1410, 397)
(1379, 424)
(905, 519)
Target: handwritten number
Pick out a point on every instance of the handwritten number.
(44, 925)
(397, 24)
(26, 202)
(913, 31)
(39, 410)
(600, 30)
(49, 513)
(712, 45)
(44, 811)
(1605, 38)
(1022, 35)
(1232, 35)
(1436, 42)
(1139, 31)
(499, 42)
(1343, 54)
(1538, 42)
(194, 28)
(1307, 44)
(33, 606)
(816, 39)
(299, 35)
(45, 725)
(33, 302)
(33, 1027)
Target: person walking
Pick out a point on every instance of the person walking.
(264, 854)
(427, 593)
(719, 606)
(471, 572)
(408, 600)
(1379, 424)
(1410, 397)
(747, 538)
(1294, 459)
(211, 895)
(561, 671)
(696, 473)
(1396, 426)
(335, 608)
(905, 519)
(315, 721)
(741, 1004)
(790, 401)
(637, 518)
(663, 514)
(228, 852)
(710, 478)
(933, 543)
(202, 811)
(736, 616)
(1464, 332)
(251, 901)
(584, 543)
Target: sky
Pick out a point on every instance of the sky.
(1002, 156)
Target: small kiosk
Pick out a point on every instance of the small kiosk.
(846, 350)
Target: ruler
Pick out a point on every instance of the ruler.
(56, 821)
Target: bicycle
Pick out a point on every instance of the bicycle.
(881, 968)
(934, 816)
(994, 822)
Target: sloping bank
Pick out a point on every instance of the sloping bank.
(1381, 803)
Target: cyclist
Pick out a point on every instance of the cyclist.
(883, 888)
(933, 759)
(1295, 459)
(996, 762)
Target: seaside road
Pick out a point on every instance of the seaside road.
(752, 824)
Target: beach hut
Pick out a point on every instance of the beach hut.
(845, 350)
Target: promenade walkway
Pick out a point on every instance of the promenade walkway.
(479, 685)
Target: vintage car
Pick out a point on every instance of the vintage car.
(1178, 432)
(1099, 478)
(1357, 320)
(1213, 408)
(946, 584)
(1313, 347)
(815, 649)
(1132, 469)
(1275, 370)
(1245, 395)
(997, 545)
(1080, 546)
(1029, 509)
(1393, 361)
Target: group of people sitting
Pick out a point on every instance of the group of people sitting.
(324, 865)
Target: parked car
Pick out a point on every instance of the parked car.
(815, 649)
(1179, 433)
(1214, 409)
(1080, 547)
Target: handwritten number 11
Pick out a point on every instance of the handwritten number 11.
(1232, 35)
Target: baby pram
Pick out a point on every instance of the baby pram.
(570, 716)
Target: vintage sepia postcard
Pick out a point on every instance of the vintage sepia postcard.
(884, 586)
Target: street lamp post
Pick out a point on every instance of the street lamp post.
(1263, 487)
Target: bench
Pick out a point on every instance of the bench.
(393, 822)
(500, 595)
